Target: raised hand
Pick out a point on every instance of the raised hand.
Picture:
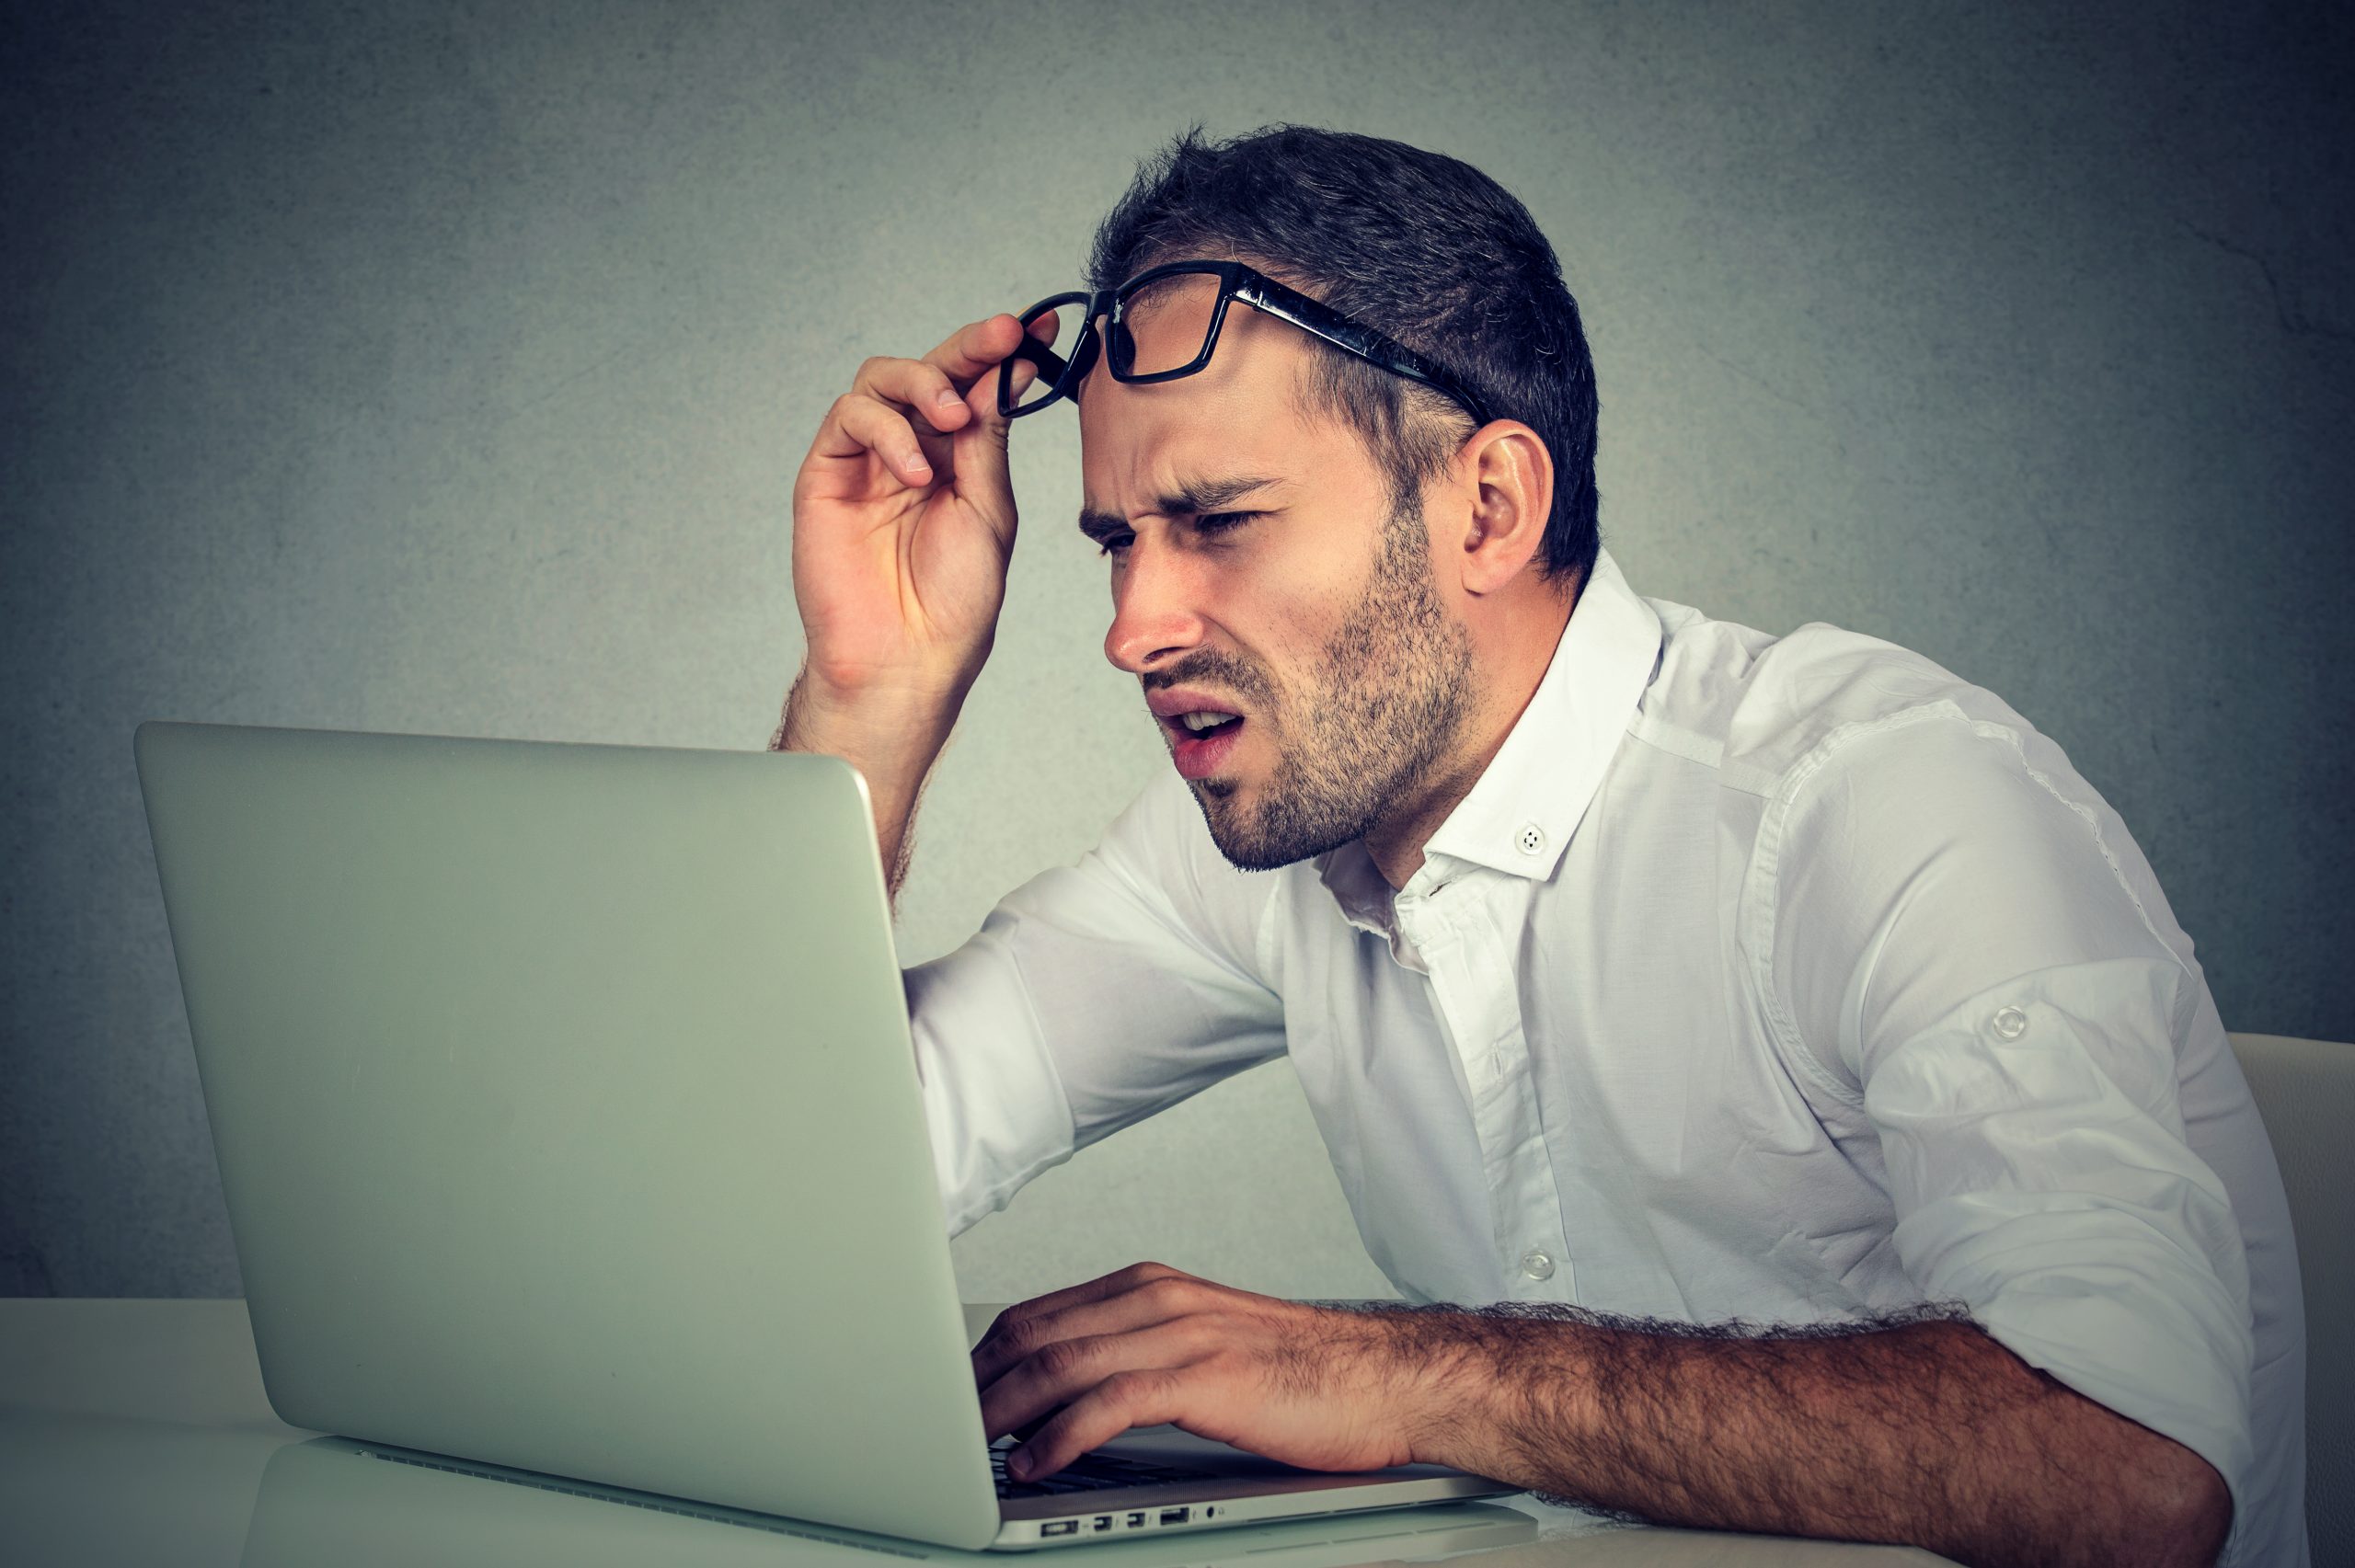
(904, 520)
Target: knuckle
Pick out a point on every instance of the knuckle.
(1220, 1359)
(1064, 1359)
(1202, 1336)
(1169, 1291)
(1133, 1390)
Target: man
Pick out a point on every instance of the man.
(1772, 1072)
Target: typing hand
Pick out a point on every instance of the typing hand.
(1315, 1386)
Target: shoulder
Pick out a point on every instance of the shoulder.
(1769, 710)
(1875, 761)
(1910, 857)
(1870, 761)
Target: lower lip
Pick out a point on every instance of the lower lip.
(1198, 757)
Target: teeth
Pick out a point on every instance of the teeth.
(1205, 720)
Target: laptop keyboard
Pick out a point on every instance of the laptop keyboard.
(1089, 1472)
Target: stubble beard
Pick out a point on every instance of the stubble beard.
(1388, 698)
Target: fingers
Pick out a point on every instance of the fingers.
(858, 425)
(1030, 1325)
(1095, 1289)
(1063, 1371)
(1125, 1400)
(915, 385)
(977, 346)
(907, 411)
(1021, 373)
(940, 385)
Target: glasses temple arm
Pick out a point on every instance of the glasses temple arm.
(1362, 341)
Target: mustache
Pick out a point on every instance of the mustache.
(1240, 678)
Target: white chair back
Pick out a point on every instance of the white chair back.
(2305, 1092)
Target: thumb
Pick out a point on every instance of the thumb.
(977, 451)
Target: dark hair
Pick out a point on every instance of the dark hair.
(1422, 246)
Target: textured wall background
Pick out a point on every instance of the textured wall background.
(445, 367)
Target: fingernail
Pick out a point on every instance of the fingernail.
(1018, 1462)
(916, 465)
(947, 400)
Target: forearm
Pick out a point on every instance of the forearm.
(893, 738)
(1929, 1434)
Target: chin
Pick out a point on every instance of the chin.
(1221, 816)
(1236, 831)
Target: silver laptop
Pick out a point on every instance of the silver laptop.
(567, 1117)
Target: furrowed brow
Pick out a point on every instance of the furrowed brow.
(1191, 498)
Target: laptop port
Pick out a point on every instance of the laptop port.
(1103, 1521)
(1059, 1526)
(1176, 1515)
(1136, 1521)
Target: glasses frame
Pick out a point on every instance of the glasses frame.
(1236, 281)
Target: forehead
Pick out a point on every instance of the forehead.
(1179, 445)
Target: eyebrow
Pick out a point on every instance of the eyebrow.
(1191, 498)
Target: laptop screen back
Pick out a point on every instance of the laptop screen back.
(566, 1112)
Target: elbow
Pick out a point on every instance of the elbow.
(2187, 1509)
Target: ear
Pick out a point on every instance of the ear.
(1507, 482)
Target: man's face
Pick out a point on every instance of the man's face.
(1315, 618)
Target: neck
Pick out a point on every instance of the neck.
(1526, 641)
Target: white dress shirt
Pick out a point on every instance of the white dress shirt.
(1780, 978)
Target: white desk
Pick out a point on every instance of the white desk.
(136, 1432)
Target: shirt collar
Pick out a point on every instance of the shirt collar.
(1519, 817)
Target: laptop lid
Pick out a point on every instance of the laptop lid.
(566, 1112)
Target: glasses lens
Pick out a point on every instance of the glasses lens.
(1039, 362)
(1164, 325)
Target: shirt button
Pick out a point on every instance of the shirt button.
(1537, 1264)
(2011, 1023)
(1531, 838)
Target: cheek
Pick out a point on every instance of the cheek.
(1293, 648)
(1287, 650)
(1290, 619)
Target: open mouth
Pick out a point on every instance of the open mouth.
(1201, 741)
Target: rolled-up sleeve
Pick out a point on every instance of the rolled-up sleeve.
(1961, 954)
(1092, 996)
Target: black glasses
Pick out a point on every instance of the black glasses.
(1184, 304)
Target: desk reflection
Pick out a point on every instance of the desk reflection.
(137, 1432)
(335, 1502)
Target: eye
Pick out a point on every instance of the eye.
(1222, 522)
(1209, 525)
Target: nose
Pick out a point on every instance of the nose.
(1152, 618)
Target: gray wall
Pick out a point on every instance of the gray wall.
(446, 367)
